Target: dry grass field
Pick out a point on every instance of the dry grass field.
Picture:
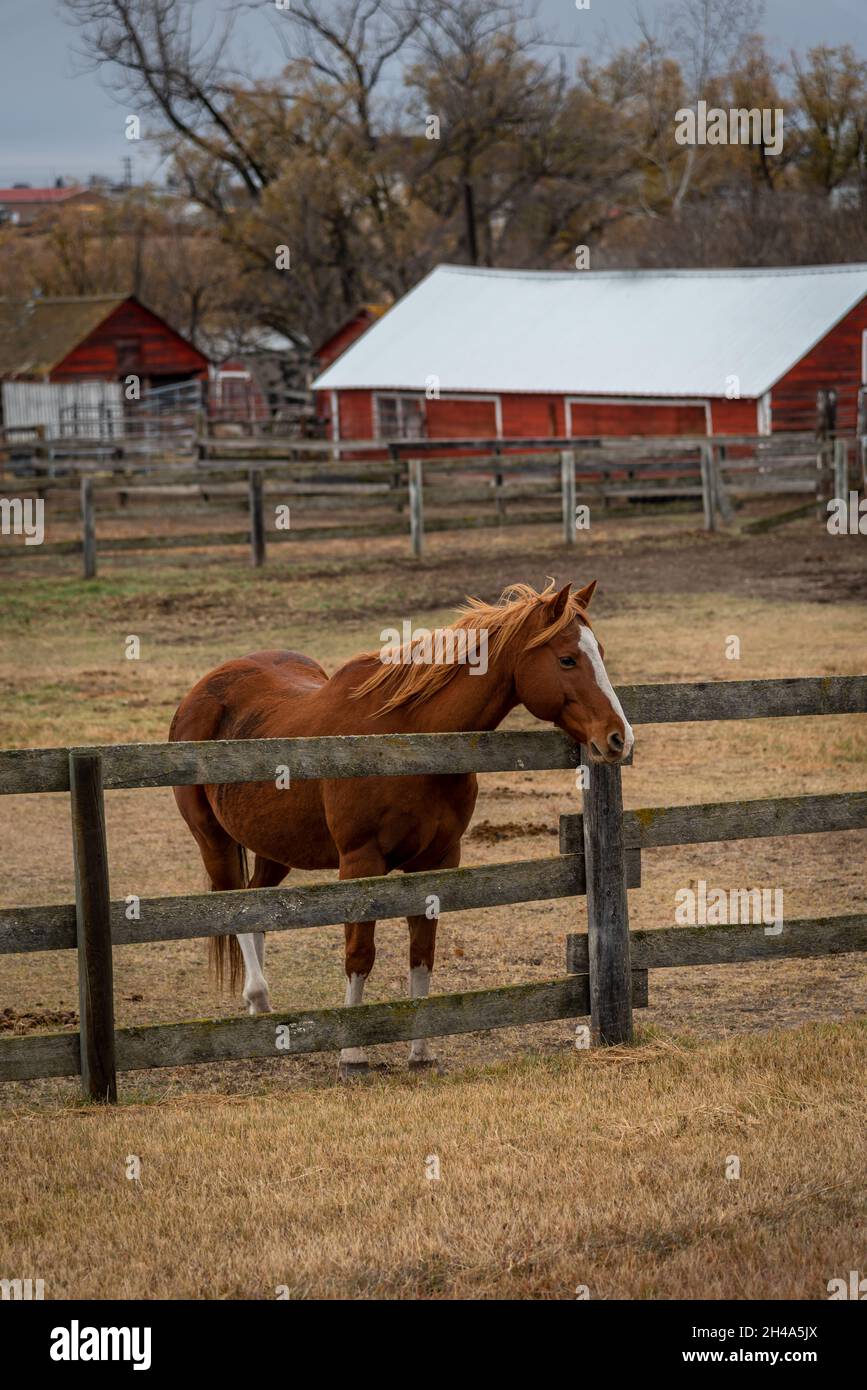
(559, 1168)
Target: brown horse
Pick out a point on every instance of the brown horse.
(531, 648)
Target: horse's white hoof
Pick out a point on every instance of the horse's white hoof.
(258, 1003)
(425, 1064)
(353, 1071)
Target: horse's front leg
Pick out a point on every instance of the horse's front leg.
(360, 954)
(422, 948)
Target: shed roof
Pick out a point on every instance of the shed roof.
(610, 333)
(36, 334)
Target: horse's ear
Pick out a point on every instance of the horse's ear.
(583, 596)
(559, 602)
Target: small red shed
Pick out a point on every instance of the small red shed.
(97, 337)
(477, 353)
(335, 345)
(66, 364)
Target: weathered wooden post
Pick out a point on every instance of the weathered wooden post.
(396, 477)
(499, 500)
(88, 529)
(826, 427)
(607, 905)
(93, 925)
(416, 508)
(841, 469)
(257, 520)
(567, 493)
(722, 501)
(861, 436)
(707, 487)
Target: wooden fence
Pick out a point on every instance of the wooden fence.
(600, 857)
(377, 497)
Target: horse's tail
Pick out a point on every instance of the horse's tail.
(224, 953)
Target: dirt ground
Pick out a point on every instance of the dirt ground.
(669, 597)
(606, 1170)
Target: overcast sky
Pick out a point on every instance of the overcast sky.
(57, 119)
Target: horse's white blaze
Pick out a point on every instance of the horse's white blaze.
(354, 995)
(419, 988)
(590, 647)
(252, 946)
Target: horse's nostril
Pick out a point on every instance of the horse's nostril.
(615, 743)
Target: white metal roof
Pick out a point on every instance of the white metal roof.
(627, 332)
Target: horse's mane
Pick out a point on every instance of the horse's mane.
(405, 683)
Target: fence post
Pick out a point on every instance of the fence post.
(396, 480)
(722, 500)
(567, 492)
(416, 508)
(499, 501)
(607, 905)
(707, 488)
(257, 522)
(824, 470)
(93, 927)
(88, 529)
(841, 470)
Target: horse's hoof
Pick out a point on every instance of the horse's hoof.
(259, 1004)
(353, 1071)
(425, 1064)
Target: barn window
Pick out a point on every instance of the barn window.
(399, 417)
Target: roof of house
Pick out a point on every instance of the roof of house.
(37, 334)
(608, 333)
(43, 195)
(371, 312)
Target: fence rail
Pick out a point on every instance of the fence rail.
(600, 857)
(526, 482)
(396, 755)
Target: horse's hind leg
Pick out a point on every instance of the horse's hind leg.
(266, 874)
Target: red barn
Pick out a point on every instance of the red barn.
(511, 354)
(335, 345)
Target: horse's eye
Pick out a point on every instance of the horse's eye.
(568, 661)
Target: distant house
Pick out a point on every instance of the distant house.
(261, 377)
(61, 358)
(23, 206)
(475, 354)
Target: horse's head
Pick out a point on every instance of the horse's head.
(560, 678)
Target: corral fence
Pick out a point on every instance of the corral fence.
(360, 493)
(600, 858)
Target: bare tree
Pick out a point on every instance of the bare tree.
(149, 53)
(703, 37)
